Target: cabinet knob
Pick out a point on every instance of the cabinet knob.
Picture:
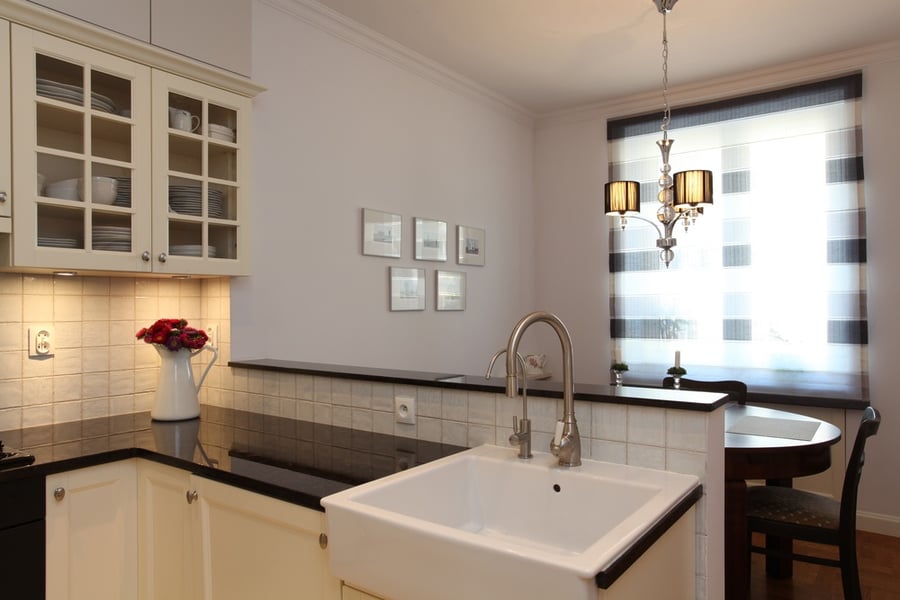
(59, 493)
(146, 256)
(163, 257)
(191, 496)
(323, 541)
(2, 197)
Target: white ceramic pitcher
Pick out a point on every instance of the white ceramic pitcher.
(176, 393)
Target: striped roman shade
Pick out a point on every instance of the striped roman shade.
(769, 285)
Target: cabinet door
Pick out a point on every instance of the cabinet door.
(5, 139)
(92, 533)
(257, 547)
(166, 551)
(81, 121)
(201, 178)
(217, 32)
(129, 17)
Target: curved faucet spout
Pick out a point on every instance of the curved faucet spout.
(568, 446)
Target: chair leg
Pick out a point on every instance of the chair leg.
(850, 572)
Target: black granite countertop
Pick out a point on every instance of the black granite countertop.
(632, 395)
(291, 460)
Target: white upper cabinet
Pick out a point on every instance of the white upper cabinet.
(5, 138)
(126, 158)
(81, 121)
(200, 165)
(128, 17)
(217, 32)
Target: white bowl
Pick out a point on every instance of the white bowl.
(66, 189)
(103, 190)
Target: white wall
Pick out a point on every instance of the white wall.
(571, 170)
(339, 129)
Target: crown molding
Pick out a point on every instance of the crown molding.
(330, 21)
(738, 84)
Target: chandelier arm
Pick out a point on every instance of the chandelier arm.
(646, 220)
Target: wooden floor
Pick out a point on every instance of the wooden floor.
(879, 567)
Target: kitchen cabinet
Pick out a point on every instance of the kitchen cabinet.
(91, 520)
(5, 136)
(204, 539)
(22, 536)
(217, 32)
(128, 17)
(85, 120)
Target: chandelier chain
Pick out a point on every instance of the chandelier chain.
(665, 79)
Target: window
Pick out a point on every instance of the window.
(769, 285)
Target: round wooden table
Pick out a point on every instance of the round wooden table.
(764, 453)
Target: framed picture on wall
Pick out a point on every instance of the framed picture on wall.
(451, 290)
(431, 239)
(470, 246)
(407, 288)
(381, 233)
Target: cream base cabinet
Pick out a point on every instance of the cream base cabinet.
(91, 533)
(166, 550)
(203, 539)
(257, 547)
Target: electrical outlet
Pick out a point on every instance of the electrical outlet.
(211, 334)
(405, 409)
(41, 339)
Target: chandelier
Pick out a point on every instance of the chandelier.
(682, 195)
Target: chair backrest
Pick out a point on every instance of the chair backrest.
(737, 389)
(868, 427)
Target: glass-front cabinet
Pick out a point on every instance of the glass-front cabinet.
(121, 167)
(202, 174)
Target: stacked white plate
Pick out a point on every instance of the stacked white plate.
(57, 242)
(74, 94)
(220, 132)
(123, 192)
(110, 237)
(186, 200)
(191, 250)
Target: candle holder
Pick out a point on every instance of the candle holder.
(618, 369)
(677, 373)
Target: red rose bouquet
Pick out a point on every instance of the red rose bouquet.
(174, 334)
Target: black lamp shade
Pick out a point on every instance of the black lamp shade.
(622, 197)
(692, 189)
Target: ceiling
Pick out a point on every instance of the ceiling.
(548, 55)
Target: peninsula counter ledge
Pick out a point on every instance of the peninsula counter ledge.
(628, 395)
(291, 460)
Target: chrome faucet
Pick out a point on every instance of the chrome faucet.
(566, 444)
(521, 435)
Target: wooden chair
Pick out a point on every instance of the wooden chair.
(737, 389)
(796, 514)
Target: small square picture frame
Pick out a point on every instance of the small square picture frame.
(431, 239)
(470, 246)
(407, 289)
(382, 233)
(450, 289)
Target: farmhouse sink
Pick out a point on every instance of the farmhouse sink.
(486, 524)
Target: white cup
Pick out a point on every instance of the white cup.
(183, 120)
